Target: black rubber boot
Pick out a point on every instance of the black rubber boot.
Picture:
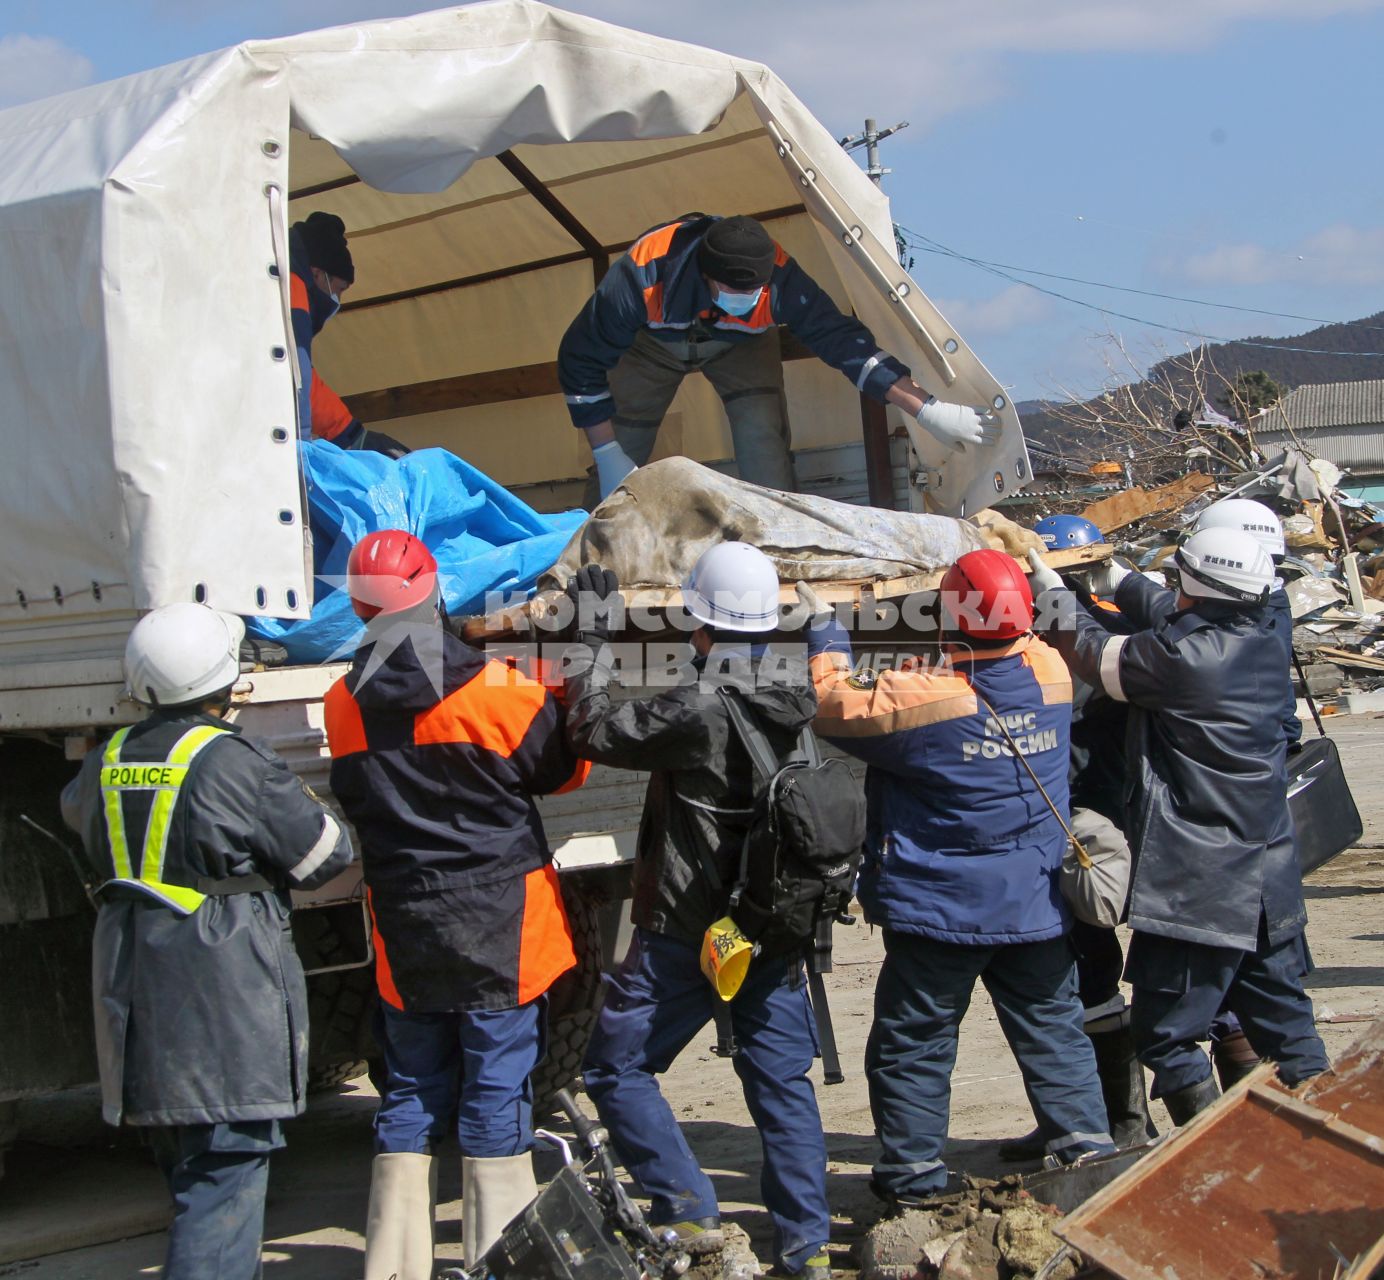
(1195, 1098)
(1122, 1087)
(1030, 1147)
(1234, 1059)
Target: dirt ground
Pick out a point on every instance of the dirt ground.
(68, 1184)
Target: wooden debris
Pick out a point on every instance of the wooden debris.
(1345, 658)
(1125, 508)
(1268, 1182)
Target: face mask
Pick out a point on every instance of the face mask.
(737, 304)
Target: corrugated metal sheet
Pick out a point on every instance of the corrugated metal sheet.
(1340, 421)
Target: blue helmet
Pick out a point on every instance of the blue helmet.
(1061, 532)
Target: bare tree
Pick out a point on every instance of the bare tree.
(1148, 416)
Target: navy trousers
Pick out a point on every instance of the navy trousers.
(470, 1068)
(656, 1002)
(923, 992)
(1180, 987)
(217, 1175)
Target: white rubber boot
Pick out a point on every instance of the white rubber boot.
(399, 1224)
(493, 1192)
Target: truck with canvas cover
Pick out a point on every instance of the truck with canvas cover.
(489, 162)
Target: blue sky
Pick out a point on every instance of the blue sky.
(1225, 150)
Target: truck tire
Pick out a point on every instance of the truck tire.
(341, 1005)
(574, 1000)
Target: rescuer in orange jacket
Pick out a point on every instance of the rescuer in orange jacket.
(708, 294)
(321, 270)
(437, 753)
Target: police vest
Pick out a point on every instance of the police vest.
(139, 801)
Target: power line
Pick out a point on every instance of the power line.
(928, 245)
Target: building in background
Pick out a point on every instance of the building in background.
(1342, 422)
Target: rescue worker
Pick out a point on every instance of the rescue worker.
(708, 293)
(1095, 776)
(962, 855)
(1231, 1052)
(321, 271)
(1216, 899)
(437, 754)
(197, 834)
(696, 812)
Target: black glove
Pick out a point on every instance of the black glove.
(599, 610)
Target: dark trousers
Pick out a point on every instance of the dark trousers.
(923, 992)
(656, 1002)
(748, 377)
(1180, 987)
(217, 1175)
(470, 1068)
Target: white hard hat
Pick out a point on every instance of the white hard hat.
(183, 652)
(1224, 564)
(1250, 517)
(733, 587)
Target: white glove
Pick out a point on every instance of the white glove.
(613, 464)
(1104, 579)
(1040, 576)
(958, 424)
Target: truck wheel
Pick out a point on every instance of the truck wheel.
(574, 999)
(341, 1005)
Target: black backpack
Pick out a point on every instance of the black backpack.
(803, 845)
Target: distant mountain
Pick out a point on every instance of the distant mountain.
(1289, 368)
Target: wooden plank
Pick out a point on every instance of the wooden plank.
(1264, 1183)
(1345, 658)
(517, 620)
(1125, 508)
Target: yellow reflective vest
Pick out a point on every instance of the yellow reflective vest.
(138, 801)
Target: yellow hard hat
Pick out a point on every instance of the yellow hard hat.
(726, 956)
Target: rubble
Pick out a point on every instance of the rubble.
(1333, 572)
(987, 1231)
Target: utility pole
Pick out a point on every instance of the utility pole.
(870, 140)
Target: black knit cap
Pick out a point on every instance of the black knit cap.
(324, 236)
(737, 252)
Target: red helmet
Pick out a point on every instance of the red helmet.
(986, 596)
(388, 572)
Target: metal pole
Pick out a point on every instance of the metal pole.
(872, 151)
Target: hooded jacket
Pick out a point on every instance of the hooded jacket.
(701, 790)
(203, 1018)
(1206, 810)
(437, 754)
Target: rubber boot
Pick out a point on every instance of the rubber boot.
(399, 1223)
(1234, 1059)
(1122, 1087)
(1185, 1103)
(494, 1192)
(1030, 1147)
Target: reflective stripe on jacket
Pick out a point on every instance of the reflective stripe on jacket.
(658, 286)
(436, 760)
(960, 845)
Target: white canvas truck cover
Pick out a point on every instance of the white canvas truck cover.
(146, 372)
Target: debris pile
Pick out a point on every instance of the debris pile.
(986, 1231)
(1333, 572)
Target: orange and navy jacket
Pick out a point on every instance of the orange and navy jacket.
(439, 783)
(657, 286)
(321, 412)
(960, 845)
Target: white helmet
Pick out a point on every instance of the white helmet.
(1224, 564)
(181, 653)
(1250, 517)
(733, 587)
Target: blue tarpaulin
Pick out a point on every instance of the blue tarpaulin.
(485, 539)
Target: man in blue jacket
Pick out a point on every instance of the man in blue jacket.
(707, 293)
(962, 853)
(1216, 898)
